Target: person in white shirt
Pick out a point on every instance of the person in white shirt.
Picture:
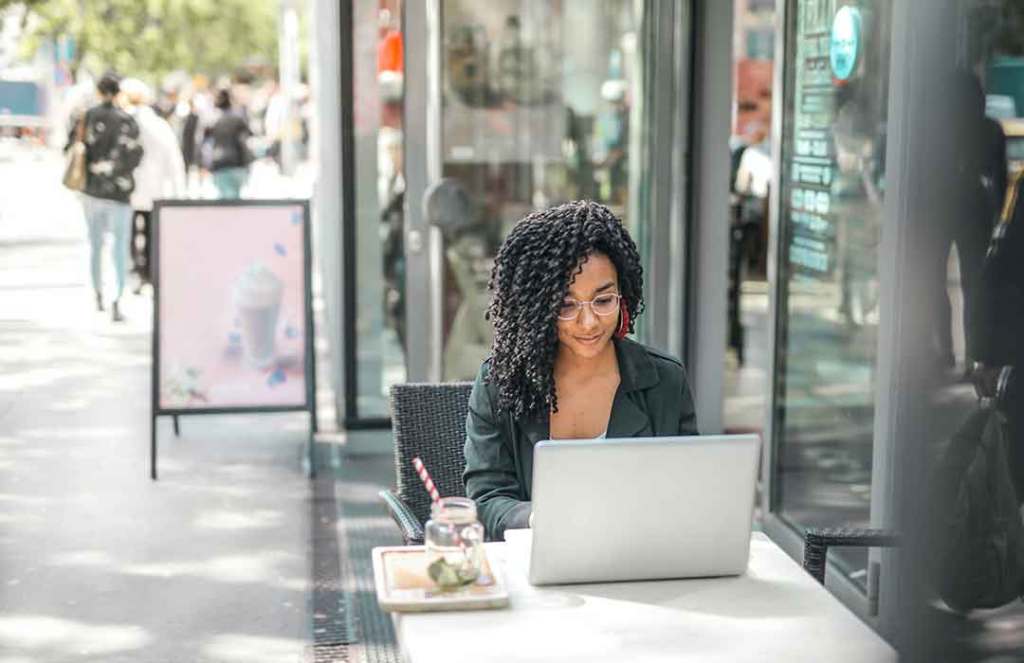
(161, 174)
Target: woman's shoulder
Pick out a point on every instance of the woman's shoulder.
(485, 392)
(650, 366)
(658, 357)
(484, 372)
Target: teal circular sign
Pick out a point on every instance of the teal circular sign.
(844, 43)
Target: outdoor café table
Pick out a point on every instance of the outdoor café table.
(775, 612)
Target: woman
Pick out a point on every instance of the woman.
(113, 151)
(228, 149)
(566, 289)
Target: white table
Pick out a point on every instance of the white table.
(776, 612)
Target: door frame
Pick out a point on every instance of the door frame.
(422, 162)
(702, 283)
(350, 418)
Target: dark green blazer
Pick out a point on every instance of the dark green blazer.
(653, 399)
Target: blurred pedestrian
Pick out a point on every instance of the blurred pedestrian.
(190, 139)
(973, 176)
(161, 173)
(112, 152)
(227, 144)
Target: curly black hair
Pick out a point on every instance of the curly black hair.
(533, 270)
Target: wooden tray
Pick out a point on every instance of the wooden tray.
(400, 574)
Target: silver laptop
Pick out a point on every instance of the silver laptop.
(642, 508)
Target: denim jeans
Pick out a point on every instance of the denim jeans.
(229, 182)
(104, 216)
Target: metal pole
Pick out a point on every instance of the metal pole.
(152, 447)
(288, 67)
(312, 444)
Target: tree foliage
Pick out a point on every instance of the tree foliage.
(150, 38)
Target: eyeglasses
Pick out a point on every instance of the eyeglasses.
(602, 305)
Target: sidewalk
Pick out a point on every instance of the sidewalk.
(97, 562)
(35, 206)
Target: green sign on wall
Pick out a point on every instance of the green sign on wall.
(844, 42)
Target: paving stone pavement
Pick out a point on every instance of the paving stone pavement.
(233, 555)
(98, 563)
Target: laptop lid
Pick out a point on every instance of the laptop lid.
(642, 508)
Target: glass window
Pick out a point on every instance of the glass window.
(532, 115)
(832, 187)
(750, 181)
(1015, 148)
(379, 194)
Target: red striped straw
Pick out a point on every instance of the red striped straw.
(428, 483)
(435, 496)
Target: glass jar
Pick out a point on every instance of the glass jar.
(454, 541)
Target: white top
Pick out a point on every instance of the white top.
(161, 173)
(599, 437)
(776, 612)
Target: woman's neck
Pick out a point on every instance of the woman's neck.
(576, 368)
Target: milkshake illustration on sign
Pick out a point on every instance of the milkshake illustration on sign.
(257, 299)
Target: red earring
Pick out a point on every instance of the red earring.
(623, 320)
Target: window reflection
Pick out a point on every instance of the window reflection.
(532, 115)
(832, 190)
(380, 191)
(751, 180)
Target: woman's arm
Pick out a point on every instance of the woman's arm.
(129, 145)
(490, 474)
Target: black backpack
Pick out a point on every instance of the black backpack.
(976, 491)
(978, 544)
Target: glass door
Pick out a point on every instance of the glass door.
(832, 188)
(373, 190)
(511, 106)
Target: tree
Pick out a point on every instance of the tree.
(150, 38)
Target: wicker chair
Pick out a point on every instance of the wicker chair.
(429, 421)
(817, 541)
(992, 383)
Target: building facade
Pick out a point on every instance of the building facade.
(791, 170)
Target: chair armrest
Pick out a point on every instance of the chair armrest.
(817, 541)
(410, 527)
